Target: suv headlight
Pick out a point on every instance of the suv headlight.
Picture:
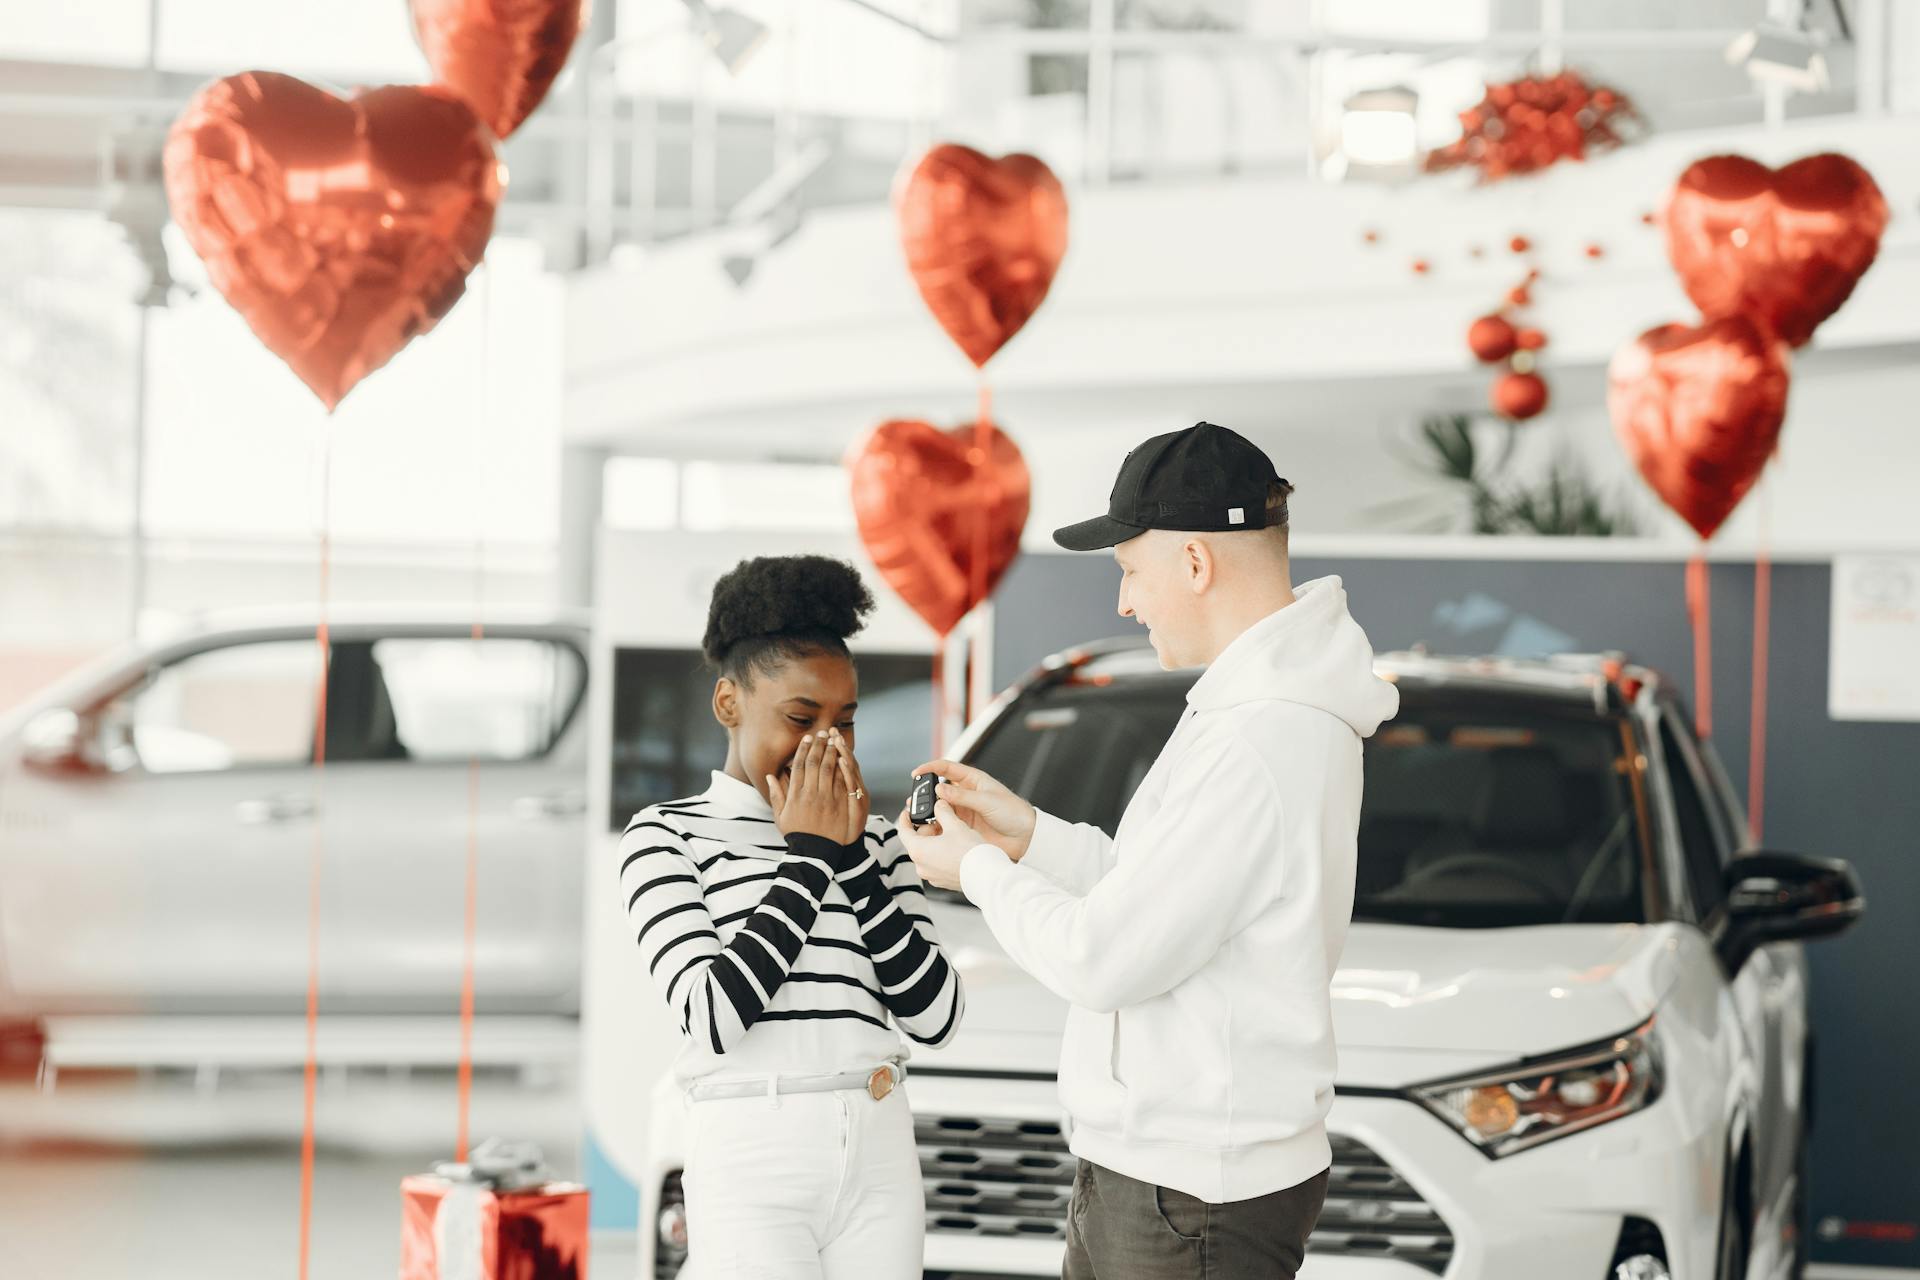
(1536, 1101)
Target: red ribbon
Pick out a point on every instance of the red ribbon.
(988, 496)
(460, 1143)
(1700, 613)
(470, 925)
(939, 694)
(316, 858)
(1757, 760)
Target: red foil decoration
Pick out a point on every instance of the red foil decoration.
(500, 55)
(1699, 411)
(1492, 338)
(1519, 396)
(983, 239)
(918, 493)
(463, 1231)
(1785, 246)
(1529, 124)
(340, 228)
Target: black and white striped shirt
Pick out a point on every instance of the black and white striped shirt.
(782, 954)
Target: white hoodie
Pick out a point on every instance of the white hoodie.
(1197, 946)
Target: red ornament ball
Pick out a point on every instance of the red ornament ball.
(1529, 339)
(1492, 338)
(1519, 395)
(1519, 244)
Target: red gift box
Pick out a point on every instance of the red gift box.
(499, 1216)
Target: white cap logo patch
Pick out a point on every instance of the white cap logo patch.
(1237, 516)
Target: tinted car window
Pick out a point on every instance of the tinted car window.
(1697, 840)
(1476, 813)
(498, 698)
(1080, 749)
(1490, 815)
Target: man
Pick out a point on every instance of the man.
(1196, 946)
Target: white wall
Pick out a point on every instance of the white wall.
(1249, 282)
(1257, 304)
(1845, 476)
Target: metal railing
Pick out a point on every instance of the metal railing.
(1083, 130)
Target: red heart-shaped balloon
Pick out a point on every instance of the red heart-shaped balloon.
(1784, 246)
(339, 227)
(1699, 411)
(500, 55)
(983, 239)
(941, 515)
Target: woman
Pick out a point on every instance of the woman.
(789, 935)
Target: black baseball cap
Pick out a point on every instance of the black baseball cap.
(1205, 479)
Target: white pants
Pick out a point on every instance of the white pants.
(821, 1186)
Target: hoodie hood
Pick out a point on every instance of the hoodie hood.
(1311, 652)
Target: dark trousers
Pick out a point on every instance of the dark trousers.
(1122, 1229)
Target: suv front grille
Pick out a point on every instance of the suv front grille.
(994, 1177)
(1013, 1178)
(1373, 1212)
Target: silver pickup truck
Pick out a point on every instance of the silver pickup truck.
(160, 810)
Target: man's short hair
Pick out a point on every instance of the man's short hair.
(1277, 494)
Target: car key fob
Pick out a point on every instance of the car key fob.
(920, 800)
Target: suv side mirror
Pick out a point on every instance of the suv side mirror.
(61, 740)
(1772, 897)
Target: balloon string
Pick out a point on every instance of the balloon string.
(986, 497)
(323, 639)
(470, 930)
(467, 948)
(1762, 622)
(1700, 613)
(940, 695)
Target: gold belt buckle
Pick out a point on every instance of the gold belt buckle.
(880, 1083)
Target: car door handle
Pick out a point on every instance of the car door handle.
(259, 813)
(553, 804)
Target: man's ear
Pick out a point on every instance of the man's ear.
(1198, 563)
(726, 702)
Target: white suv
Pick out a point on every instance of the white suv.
(1572, 1017)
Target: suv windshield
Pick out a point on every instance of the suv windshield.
(1479, 810)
